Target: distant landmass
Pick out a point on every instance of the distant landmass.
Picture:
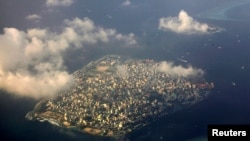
(116, 95)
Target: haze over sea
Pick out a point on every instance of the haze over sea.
(224, 56)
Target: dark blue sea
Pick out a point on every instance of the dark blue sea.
(224, 57)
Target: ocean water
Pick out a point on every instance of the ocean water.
(223, 56)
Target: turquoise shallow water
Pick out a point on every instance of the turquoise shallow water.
(231, 11)
(224, 57)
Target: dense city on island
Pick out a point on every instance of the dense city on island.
(114, 96)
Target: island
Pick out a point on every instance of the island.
(116, 95)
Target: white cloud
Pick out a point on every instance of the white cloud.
(84, 31)
(28, 67)
(34, 17)
(126, 3)
(185, 24)
(169, 68)
(128, 39)
(54, 3)
(31, 62)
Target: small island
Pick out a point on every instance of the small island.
(116, 95)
